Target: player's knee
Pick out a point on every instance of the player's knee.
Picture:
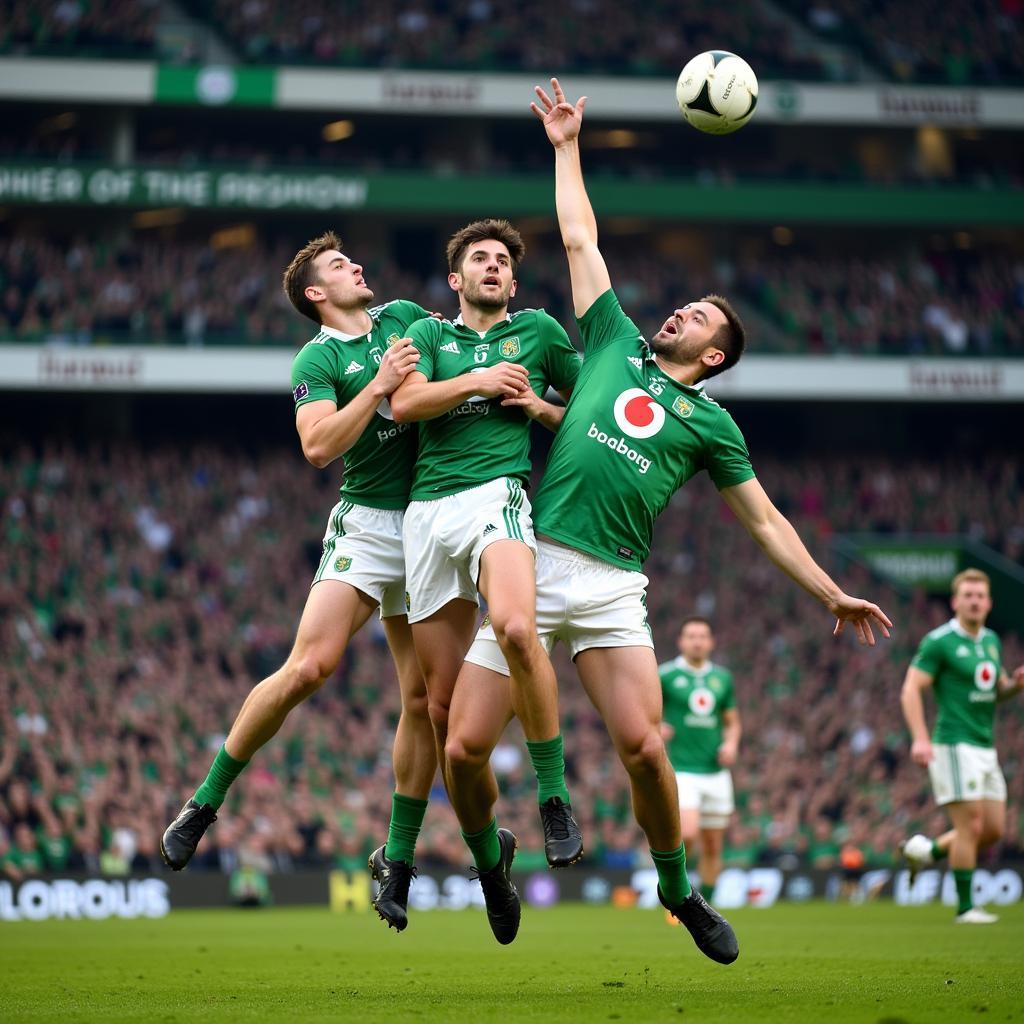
(416, 705)
(991, 833)
(305, 675)
(516, 634)
(973, 828)
(437, 712)
(461, 755)
(645, 755)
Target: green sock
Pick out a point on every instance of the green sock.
(484, 846)
(937, 852)
(963, 878)
(548, 759)
(224, 770)
(707, 891)
(406, 820)
(671, 865)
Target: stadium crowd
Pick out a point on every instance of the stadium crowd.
(146, 292)
(963, 43)
(144, 590)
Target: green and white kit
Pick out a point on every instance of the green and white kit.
(965, 673)
(474, 461)
(631, 437)
(363, 542)
(694, 700)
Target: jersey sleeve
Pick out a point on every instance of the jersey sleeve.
(312, 377)
(928, 657)
(424, 334)
(409, 312)
(604, 323)
(727, 459)
(562, 362)
(729, 698)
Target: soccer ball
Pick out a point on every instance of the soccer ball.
(717, 92)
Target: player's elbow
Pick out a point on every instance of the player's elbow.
(401, 408)
(576, 237)
(317, 456)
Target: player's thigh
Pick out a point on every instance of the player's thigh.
(966, 815)
(441, 641)
(993, 818)
(623, 685)
(481, 709)
(334, 612)
(508, 581)
(403, 653)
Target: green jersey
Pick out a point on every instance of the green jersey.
(694, 700)
(965, 673)
(480, 439)
(336, 366)
(631, 437)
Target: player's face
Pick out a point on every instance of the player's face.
(486, 279)
(339, 282)
(687, 333)
(696, 642)
(972, 601)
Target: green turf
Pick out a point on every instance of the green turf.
(820, 963)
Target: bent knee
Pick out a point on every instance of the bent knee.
(437, 712)
(305, 675)
(460, 754)
(645, 755)
(517, 633)
(416, 705)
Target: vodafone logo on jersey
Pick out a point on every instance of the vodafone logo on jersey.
(985, 675)
(638, 414)
(702, 701)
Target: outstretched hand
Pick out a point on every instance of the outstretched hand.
(862, 614)
(562, 121)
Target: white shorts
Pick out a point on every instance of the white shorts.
(363, 547)
(709, 793)
(445, 537)
(961, 771)
(581, 601)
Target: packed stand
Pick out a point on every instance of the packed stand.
(953, 303)
(969, 42)
(481, 35)
(133, 629)
(79, 28)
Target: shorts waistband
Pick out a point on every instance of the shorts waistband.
(506, 480)
(560, 552)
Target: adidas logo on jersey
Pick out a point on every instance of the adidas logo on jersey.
(451, 346)
(353, 367)
(636, 361)
(489, 528)
(962, 651)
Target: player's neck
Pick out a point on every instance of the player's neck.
(696, 666)
(971, 628)
(481, 320)
(353, 321)
(681, 373)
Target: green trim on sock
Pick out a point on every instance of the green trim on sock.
(484, 846)
(964, 878)
(938, 853)
(548, 757)
(224, 770)
(671, 866)
(406, 821)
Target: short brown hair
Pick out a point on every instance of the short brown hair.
(699, 620)
(301, 273)
(479, 231)
(969, 576)
(731, 337)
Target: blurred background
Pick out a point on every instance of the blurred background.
(161, 161)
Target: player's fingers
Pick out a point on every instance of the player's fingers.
(537, 111)
(544, 97)
(838, 631)
(881, 616)
(557, 89)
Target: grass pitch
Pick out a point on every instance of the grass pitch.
(817, 963)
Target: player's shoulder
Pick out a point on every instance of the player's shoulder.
(938, 633)
(721, 671)
(317, 346)
(537, 317)
(989, 634)
(667, 667)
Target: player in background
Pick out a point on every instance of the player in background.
(637, 427)
(468, 527)
(703, 730)
(341, 382)
(961, 662)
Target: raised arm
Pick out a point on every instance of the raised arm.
(562, 121)
(781, 543)
(327, 432)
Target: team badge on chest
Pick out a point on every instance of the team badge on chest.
(682, 407)
(509, 348)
